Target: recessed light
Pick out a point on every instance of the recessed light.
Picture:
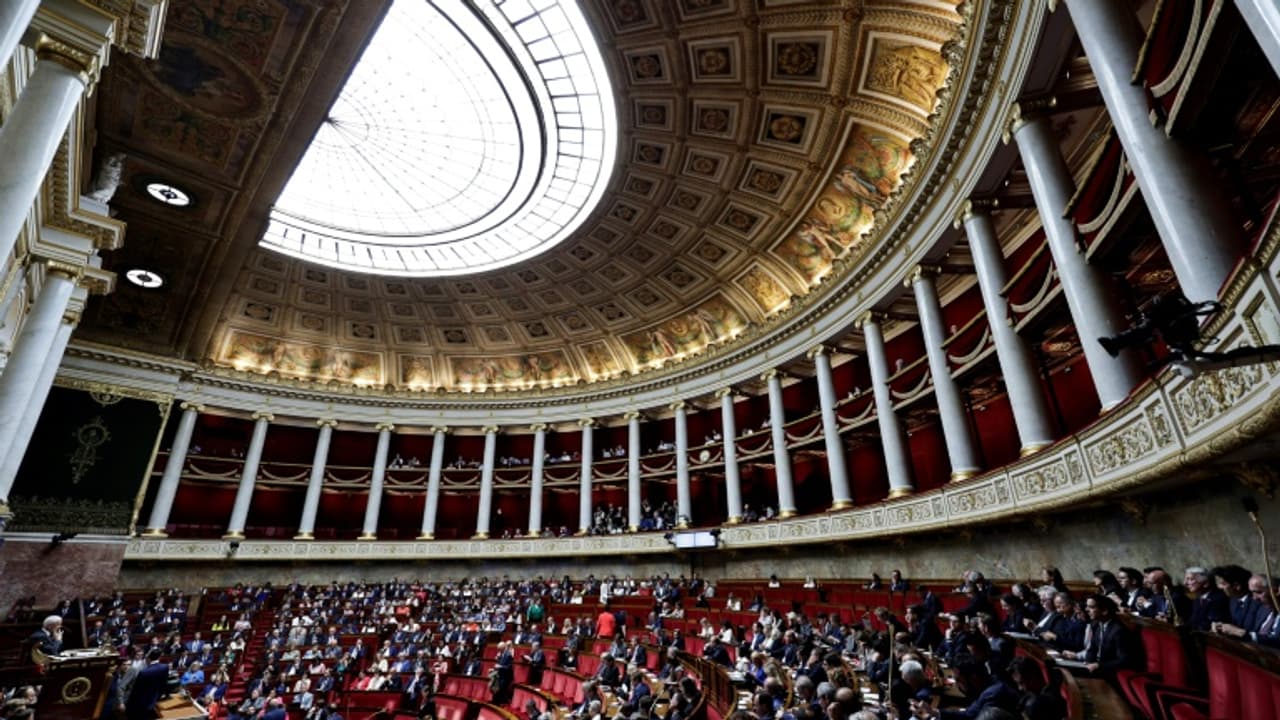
(168, 194)
(144, 278)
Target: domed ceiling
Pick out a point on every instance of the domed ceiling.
(757, 142)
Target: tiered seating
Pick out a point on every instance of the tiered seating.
(1243, 682)
(1166, 668)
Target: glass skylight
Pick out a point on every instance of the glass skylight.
(470, 135)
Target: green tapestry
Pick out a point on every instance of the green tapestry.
(86, 462)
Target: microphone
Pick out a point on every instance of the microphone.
(1251, 506)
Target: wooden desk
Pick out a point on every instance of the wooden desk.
(178, 708)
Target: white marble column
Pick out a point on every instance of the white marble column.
(32, 351)
(732, 480)
(584, 477)
(433, 483)
(248, 476)
(1263, 19)
(897, 458)
(634, 451)
(961, 449)
(15, 18)
(781, 456)
(837, 467)
(33, 130)
(1017, 366)
(535, 489)
(684, 501)
(1191, 213)
(485, 507)
(379, 477)
(35, 405)
(315, 483)
(1089, 295)
(172, 476)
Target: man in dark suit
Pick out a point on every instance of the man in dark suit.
(275, 710)
(1111, 646)
(1209, 605)
(537, 660)
(715, 652)
(48, 639)
(636, 654)
(1060, 628)
(924, 631)
(1233, 581)
(150, 686)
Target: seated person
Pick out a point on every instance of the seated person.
(48, 639)
(982, 690)
(1112, 645)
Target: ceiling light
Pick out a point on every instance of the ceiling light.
(144, 278)
(168, 194)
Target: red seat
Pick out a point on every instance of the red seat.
(1238, 689)
(451, 708)
(1166, 668)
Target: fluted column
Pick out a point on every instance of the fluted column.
(893, 440)
(1191, 212)
(837, 468)
(1017, 366)
(1263, 19)
(1089, 296)
(311, 504)
(961, 449)
(535, 476)
(584, 477)
(32, 132)
(32, 352)
(684, 501)
(379, 477)
(168, 489)
(485, 507)
(781, 457)
(15, 18)
(35, 405)
(433, 483)
(633, 470)
(249, 476)
(729, 433)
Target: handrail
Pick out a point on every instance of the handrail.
(1017, 277)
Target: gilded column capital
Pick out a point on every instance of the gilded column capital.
(439, 429)
(263, 415)
(724, 392)
(631, 415)
(770, 374)
(68, 270)
(327, 423)
(817, 350)
(585, 423)
(871, 317)
(921, 272)
(974, 207)
(71, 317)
(1025, 111)
(538, 427)
(490, 429)
(192, 405)
(677, 406)
(84, 64)
(384, 427)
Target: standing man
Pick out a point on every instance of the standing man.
(151, 684)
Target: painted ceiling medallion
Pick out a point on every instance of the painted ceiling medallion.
(469, 136)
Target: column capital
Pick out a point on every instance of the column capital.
(678, 405)
(771, 374)
(490, 429)
(871, 317)
(71, 317)
(974, 207)
(724, 392)
(921, 272)
(538, 427)
(192, 405)
(263, 415)
(1025, 111)
(384, 427)
(71, 271)
(817, 350)
(84, 64)
(327, 423)
(631, 415)
(439, 429)
(585, 423)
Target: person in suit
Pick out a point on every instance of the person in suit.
(924, 631)
(150, 685)
(1059, 627)
(1209, 605)
(896, 583)
(48, 639)
(636, 654)
(1259, 618)
(537, 660)
(1111, 645)
(1233, 581)
(275, 710)
(715, 652)
(608, 675)
(1131, 589)
(639, 688)
(986, 691)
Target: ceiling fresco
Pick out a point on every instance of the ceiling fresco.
(758, 141)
